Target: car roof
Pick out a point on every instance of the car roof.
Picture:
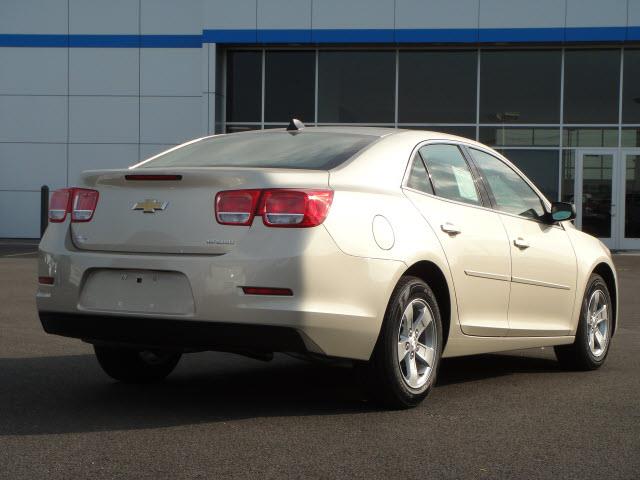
(372, 131)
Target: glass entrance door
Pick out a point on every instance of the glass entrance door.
(596, 194)
(630, 200)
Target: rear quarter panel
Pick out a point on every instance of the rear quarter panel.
(370, 189)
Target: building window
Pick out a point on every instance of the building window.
(631, 87)
(540, 166)
(289, 82)
(244, 86)
(520, 86)
(437, 87)
(459, 130)
(591, 86)
(520, 136)
(356, 87)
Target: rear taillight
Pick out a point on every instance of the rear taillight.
(295, 208)
(236, 207)
(84, 204)
(278, 207)
(59, 205)
(79, 202)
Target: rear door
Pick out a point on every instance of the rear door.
(472, 237)
(543, 263)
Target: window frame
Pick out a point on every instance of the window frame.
(424, 165)
(477, 181)
(488, 202)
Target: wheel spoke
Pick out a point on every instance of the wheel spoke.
(402, 349)
(591, 308)
(408, 319)
(592, 345)
(412, 370)
(423, 321)
(597, 299)
(601, 314)
(599, 338)
(426, 354)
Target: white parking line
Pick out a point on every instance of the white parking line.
(19, 254)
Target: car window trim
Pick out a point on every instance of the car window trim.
(424, 165)
(478, 177)
(484, 201)
(488, 206)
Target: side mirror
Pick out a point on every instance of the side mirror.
(562, 211)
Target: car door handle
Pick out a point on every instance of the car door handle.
(450, 228)
(521, 243)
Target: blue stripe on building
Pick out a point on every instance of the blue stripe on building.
(323, 36)
(96, 41)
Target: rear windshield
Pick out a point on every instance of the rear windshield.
(305, 150)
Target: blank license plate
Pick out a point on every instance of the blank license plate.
(137, 291)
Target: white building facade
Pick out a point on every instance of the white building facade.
(553, 84)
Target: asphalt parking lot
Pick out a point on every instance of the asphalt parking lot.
(514, 415)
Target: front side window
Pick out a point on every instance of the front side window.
(511, 193)
(450, 173)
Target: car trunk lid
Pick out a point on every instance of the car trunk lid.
(171, 210)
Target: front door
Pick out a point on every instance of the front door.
(629, 201)
(543, 262)
(596, 194)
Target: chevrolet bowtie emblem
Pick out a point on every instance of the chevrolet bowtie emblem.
(149, 206)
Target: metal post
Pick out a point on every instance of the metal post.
(44, 209)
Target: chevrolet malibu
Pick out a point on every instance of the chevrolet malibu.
(390, 249)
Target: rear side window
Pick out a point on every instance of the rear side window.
(418, 177)
(304, 150)
(511, 193)
(450, 173)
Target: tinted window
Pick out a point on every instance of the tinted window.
(244, 86)
(450, 173)
(520, 86)
(520, 136)
(591, 84)
(590, 137)
(541, 166)
(511, 193)
(316, 151)
(437, 87)
(418, 177)
(356, 87)
(631, 87)
(289, 83)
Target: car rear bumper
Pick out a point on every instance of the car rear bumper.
(337, 305)
(147, 332)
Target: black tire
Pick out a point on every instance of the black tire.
(136, 366)
(383, 375)
(578, 355)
